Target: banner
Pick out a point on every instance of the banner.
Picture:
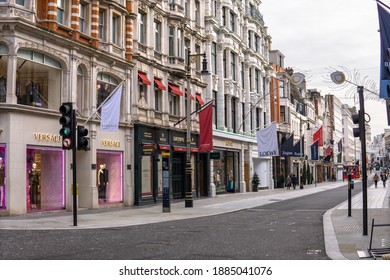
(206, 129)
(298, 148)
(328, 151)
(314, 151)
(384, 30)
(111, 111)
(267, 141)
(287, 147)
(318, 137)
(340, 145)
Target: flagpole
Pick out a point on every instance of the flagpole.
(104, 102)
(383, 4)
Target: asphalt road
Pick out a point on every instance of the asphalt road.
(288, 230)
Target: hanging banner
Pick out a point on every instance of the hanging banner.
(299, 150)
(314, 151)
(206, 129)
(111, 111)
(318, 137)
(287, 147)
(267, 141)
(384, 30)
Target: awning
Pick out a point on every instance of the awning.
(164, 147)
(144, 79)
(191, 96)
(199, 98)
(179, 149)
(175, 89)
(159, 84)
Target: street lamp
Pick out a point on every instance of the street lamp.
(339, 78)
(188, 169)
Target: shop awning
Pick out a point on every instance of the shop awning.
(144, 79)
(175, 89)
(164, 147)
(179, 149)
(159, 84)
(191, 96)
(199, 98)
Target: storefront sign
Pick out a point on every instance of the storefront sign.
(147, 150)
(162, 137)
(46, 137)
(215, 155)
(111, 143)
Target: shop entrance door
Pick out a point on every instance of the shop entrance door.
(178, 175)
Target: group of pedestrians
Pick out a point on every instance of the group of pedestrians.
(291, 180)
(382, 177)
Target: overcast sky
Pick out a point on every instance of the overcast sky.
(319, 35)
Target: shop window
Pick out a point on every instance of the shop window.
(45, 185)
(109, 176)
(105, 85)
(146, 176)
(38, 81)
(2, 178)
(3, 72)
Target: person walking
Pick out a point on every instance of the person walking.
(288, 182)
(294, 180)
(384, 179)
(376, 179)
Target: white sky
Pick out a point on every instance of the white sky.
(317, 35)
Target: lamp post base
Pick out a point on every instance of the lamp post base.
(189, 202)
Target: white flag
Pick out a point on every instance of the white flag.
(111, 111)
(267, 142)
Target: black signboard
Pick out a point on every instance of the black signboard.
(215, 155)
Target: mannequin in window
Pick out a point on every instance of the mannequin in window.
(103, 93)
(2, 182)
(3, 88)
(34, 179)
(102, 182)
(33, 92)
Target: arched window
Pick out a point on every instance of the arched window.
(38, 80)
(81, 97)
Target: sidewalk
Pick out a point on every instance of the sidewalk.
(343, 235)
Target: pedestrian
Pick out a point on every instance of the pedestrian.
(384, 178)
(288, 182)
(294, 180)
(376, 179)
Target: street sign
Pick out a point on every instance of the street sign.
(67, 142)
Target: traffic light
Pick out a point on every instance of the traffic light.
(67, 120)
(82, 140)
(357, 120)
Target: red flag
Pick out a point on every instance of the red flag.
(328, 151)
(318, 137)
(206, 129)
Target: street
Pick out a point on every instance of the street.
(288, 230)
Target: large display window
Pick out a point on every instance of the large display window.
(2, 178)
(109, 176)
(38, 81)
(45, 188)
(226, 172)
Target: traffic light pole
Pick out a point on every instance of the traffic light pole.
(74, 188)
(364, 160)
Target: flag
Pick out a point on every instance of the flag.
(384, 30)
(318, 137)
(206, 129)
(314, 151)
(111, 111)
(267, 141)
(298, 150)
(328, 151)
(340, 146)
(288, 146)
